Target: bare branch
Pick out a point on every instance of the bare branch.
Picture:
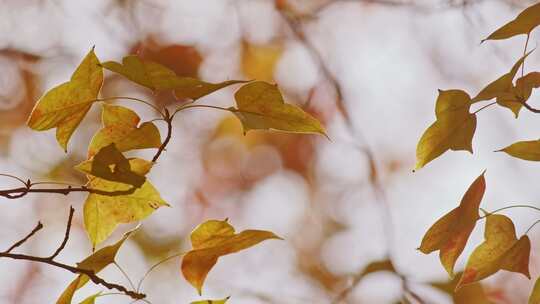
(19, 243)
(66, 235)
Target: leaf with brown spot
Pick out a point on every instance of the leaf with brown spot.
(120, 126)
(524, 23)
(500, 250)
(450, 233)
(65, 106)
(211, 240)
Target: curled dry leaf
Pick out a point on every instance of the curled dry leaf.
(524, 23)
(500, 250)
(211, 240)
(120, 126)
(96, 262)
(260, 105)
(453, 129)
(157, 77)
(65, 106)
(450, 233)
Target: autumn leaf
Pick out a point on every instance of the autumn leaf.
(102, 213)
(65, 106)
(453, 129)
(96, 262)
(525, 84)
(223, 301)
(524, 23)
(91, 299)
(527, 150)
(211, 240)
(261, 106)
(157, 77)
(504, 90)
(534, 298)
(472, 293)
(111, 165)
(450, 233)
(500, 250)
(120, 126)
(259, 61)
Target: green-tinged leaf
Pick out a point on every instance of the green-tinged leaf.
(261, 106)
(500, 250)
(109, 164)
(96, 262)
(453, 129)
(120, 126)
(157, 77)
(472, 293)
(102, 213)
(527, 150)
(91, 299)
(524, 23)
(65, 106)
(503, 89)
(211, 240)
(450, 233)
(534, 298)
(223, 301)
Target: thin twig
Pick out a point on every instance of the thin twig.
(66, 235)
(22, 191)
(168, 119)
(22, 241)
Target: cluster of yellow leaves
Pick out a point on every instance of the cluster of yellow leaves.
(211, 240)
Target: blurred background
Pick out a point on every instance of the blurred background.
(368, 69)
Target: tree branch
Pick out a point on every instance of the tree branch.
(26, 238)
(66, 235)
(168, 119)
(22, 191)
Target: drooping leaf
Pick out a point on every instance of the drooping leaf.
(120, 126)
(91, 299)
(527, 150)
(96, 262)
(453, 129)
(65, 106)
(157, 77)
(223, 301)
(450, 233)
(500, 250)
(534, 298)
(102, 213)
(472, 293)
(109, 164)
(211, 240)
(524, 23)
(261, 106)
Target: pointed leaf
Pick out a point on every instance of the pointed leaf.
(65, 106)
(211, 240)
(524, 23)
(472, 293)
(527, 150)
(453, 129)
(500, 250)
(120, 128)
(157, 77)
(261, 106)
(534, 298)
(102, 213)
(91, 299)
(96, 262)
(223, 301)
(450, 233)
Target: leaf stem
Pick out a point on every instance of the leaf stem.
(531, 227)
(524, 53)
(486, 106)
(133, 99)
(139, 285)
(124, 273)
(202, 106)
(508, 207)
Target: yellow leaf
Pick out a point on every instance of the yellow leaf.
(65, 106)
(212, 301)
(138, 166)
(261, 106)
(258, 61)
(109, 164)
(157, 77)
(211, 240)
(500, 250)
(96, 262)
(503, 89)
(453, 129)
(102, 213)
(524, 23)
(91, 299)
(527, 150)
(525, 84)
(534, 298)
(472, 293)
(120, 128)
(450, 233)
